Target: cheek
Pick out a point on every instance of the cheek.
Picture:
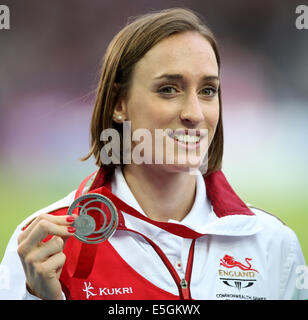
(212, 116)
(148, 114)
(216, 117)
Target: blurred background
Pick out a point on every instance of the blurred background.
(50, 61)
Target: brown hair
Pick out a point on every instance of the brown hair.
(124, 51)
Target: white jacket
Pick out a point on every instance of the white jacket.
(239, 257)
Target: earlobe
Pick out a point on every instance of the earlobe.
(117, 118)
(120, 106)
(119, 111)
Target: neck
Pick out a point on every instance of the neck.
(161, 195)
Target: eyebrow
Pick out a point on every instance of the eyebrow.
(180, 77)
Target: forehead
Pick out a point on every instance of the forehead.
(187, 53)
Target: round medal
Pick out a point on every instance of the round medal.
(97, 220)
(85, 225)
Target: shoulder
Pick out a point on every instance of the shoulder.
(275, 230)
(265, 216)
(283, 251)
(62, 203)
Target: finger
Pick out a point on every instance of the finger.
(44, 228)
(50, 268)
(42, 252)
(60, 220)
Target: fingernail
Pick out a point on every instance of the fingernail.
(70, 219)
(71, 229)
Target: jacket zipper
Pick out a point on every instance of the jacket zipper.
(185, 289)
(182, 284)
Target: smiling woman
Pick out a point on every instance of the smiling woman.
(175, 235)
(172, 79)
(153, 48)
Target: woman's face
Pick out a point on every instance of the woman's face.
(175, 86)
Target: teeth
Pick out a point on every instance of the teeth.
(187, 138)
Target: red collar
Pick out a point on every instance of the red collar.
(223, 198)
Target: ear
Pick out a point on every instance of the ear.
(120, 109)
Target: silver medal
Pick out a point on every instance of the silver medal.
(85, 225)
(87, 230)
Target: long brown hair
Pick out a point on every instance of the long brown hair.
(124, 51)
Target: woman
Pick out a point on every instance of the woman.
(181, 234)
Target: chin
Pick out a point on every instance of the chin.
(180, 167)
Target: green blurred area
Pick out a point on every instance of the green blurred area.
(19, 200)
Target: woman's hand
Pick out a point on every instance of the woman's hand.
(43, 261)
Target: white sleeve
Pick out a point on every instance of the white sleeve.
(294, 280)
(13, 280)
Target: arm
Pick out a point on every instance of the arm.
(294, 273)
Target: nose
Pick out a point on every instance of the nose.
(191, 112)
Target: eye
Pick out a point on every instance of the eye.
(167, 90)
(209, 91)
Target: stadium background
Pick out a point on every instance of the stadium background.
(49, 67)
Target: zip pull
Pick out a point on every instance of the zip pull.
(185, 289)
(184, 284)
